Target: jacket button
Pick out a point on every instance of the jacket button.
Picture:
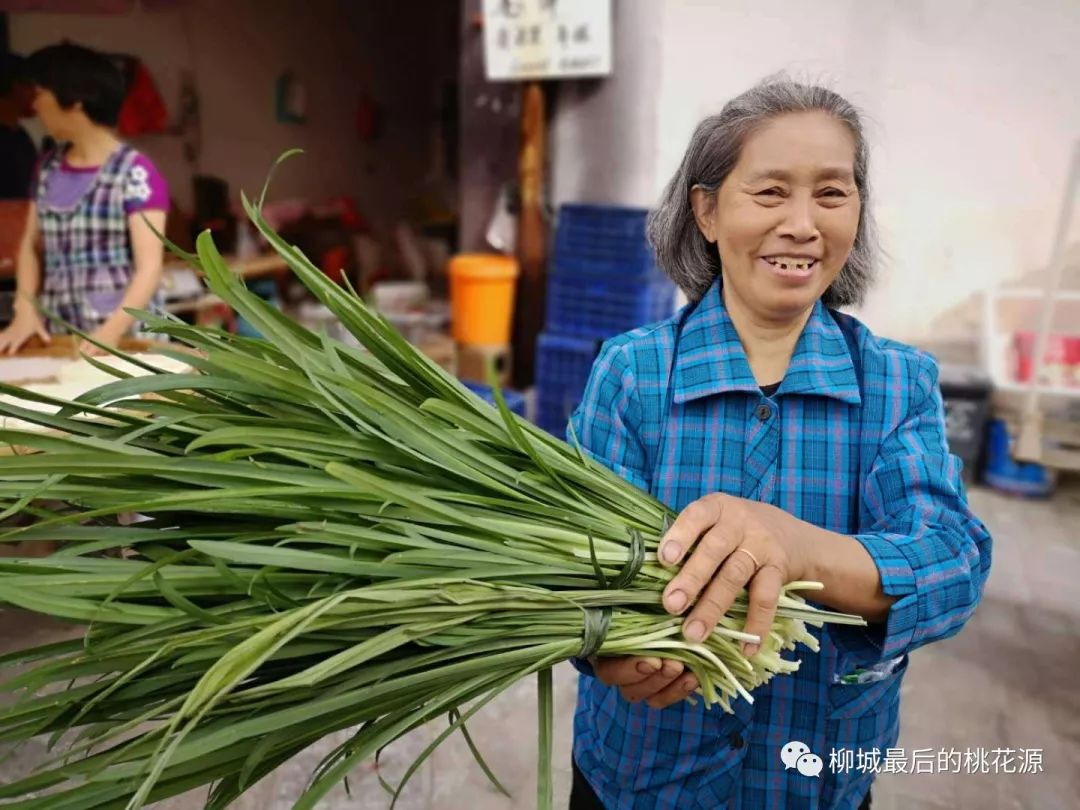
(736, 740)
(763, 412)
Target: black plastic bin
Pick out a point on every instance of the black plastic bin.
(966, 391)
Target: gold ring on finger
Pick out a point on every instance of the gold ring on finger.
(748, 553)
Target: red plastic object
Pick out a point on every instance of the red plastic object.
(333, 263)
(1061, 363)
(345, 207)
(143, 111)
(1072, 361)
(1024, 349)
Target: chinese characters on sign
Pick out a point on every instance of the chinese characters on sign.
(944, 760)
(547, 39)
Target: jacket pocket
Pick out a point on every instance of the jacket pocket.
(856, 692)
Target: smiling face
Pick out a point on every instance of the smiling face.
(784, 220)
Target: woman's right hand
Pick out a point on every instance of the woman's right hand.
(24, 326)
(659, 682)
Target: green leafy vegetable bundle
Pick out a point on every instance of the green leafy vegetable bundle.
(327, 537)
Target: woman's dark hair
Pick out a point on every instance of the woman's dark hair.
(78, 75)
(691, 261)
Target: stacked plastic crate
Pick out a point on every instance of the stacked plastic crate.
(602, 281)
(514, 400)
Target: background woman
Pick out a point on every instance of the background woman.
(90, 197)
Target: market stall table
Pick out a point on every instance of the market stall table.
(186, 294)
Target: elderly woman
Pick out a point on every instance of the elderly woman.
(796, 445)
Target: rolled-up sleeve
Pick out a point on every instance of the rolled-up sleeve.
(932, 553)
(605, 425)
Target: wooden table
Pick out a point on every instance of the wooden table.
(184, 306)
(36, 362)
(67, 346)
(254, 267)
(49, 359)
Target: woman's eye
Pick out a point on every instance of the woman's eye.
(772, 192)
(832, 192)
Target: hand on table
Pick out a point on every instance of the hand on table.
(26, 324)
(108, 333)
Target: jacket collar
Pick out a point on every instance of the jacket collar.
(711, 359)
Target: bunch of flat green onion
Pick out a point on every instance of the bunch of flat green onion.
(328, 537)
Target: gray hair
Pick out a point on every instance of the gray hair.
(686, 256)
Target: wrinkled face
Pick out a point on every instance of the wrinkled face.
(785, 219)
(56, 120)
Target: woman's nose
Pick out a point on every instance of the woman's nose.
(799, 222)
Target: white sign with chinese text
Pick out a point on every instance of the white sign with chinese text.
(546, 39)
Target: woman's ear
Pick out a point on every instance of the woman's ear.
(704, 205)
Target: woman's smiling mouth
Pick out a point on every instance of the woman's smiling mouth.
(794, 268)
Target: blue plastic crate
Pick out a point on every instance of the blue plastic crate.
(553, 410)
(563, 364)
(515, 400)
(605, 306)
(603, 240)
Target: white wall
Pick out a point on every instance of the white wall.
(971, 106)
(238, 47)
(605, 132)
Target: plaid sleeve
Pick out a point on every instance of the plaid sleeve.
(931, 551)
(605, 425)
(606, 422)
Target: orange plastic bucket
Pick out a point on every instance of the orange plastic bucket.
(482, 298)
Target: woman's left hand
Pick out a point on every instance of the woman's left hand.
(108, 333)
(734, 543)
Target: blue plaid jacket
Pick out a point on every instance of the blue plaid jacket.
(803, 453)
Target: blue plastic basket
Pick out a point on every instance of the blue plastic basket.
(515, 401)
(603, 240)
(605, 306)
(563, 364)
